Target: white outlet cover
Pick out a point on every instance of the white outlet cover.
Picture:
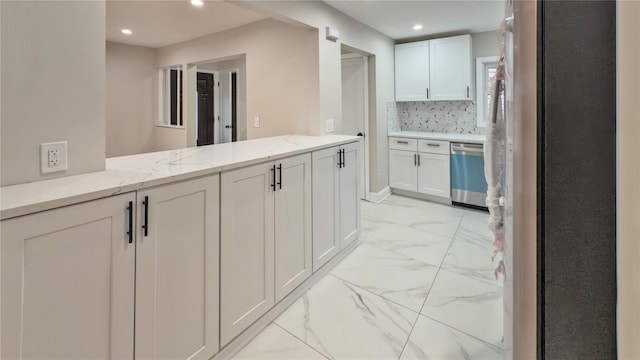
(57, 151)
(329, 125)
(256, 121)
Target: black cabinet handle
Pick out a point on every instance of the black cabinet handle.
(280, 175)
(427, 93)
(145, 225)
(340, 158)
(418, 159)
(273, 184)
(467, 91)
(130, 232)
(343, 162)
(415, 159)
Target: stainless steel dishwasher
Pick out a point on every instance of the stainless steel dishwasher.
(468, 184)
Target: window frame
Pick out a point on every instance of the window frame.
(164, 97)
(481, 87)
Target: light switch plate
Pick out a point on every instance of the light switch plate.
(256, 121)
(329, 125)
(53, 157)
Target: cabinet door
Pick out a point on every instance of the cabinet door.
(450, 68)
(403, 172)
(349, 195)
(247, 267)
(434, 175)
(292, 224)
(68, 282)
(326, 197)
(412, 71)
(177, 270)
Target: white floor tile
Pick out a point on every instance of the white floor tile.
(343, 321)
(275, 343)
(393, 276)
(472, 259)
(417, 244)
(433, 340)
(469, 305)
(441, 219)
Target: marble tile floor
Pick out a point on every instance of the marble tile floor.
(419, 286)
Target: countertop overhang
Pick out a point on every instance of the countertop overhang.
(134, 172)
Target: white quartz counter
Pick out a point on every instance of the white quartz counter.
(467, 138)
(135, 172)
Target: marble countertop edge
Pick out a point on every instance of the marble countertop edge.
(454, 137)
(142, 171)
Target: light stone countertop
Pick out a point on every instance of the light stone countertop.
(134, 172)
(467, 138)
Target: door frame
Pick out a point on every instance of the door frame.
(367, 92)
(216, 103)
(235, 128)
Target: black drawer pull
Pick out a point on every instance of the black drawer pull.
(145, 225)
(130, 232)
(402, 142)
(433, 145)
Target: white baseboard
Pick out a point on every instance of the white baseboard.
(379, 196)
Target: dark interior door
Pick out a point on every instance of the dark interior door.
(205, 109)
(234, 107)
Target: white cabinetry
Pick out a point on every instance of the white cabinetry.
(438, 69)
(265, 238)
(68, 277)
(177, 270)
(68, 282)
(450, 68)
(420, 166)
(336, 203)
(412, 71)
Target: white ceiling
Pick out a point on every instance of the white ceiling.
(157, 23)
(160, 23)
(397, 18)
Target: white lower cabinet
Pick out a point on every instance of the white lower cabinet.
(403, 170)
(434, 173)
(177, 271)
(68, 282)
(265, 238)
(426, 171)
(71, 277)
(336, 203)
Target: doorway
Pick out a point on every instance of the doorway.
(205, 110)
(228, 106)
(355, 108)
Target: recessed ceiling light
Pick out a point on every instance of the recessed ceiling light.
(126, 31)
(417, 27)
(197, 3)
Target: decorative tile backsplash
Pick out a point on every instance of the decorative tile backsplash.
(433, 116)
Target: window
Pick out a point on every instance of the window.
(170, 96)
(485, 69)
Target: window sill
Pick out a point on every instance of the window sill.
(170, 126)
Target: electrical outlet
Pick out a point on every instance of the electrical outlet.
(329, 126)
(53, 157)
(256, 121)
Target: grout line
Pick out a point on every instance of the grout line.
(297, 338)
(431, 288)
(496, 347)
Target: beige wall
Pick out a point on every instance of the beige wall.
(53, 85)
(131, 72)
(281, 70)
(356, 35)
(628, 179)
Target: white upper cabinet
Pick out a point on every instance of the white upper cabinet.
(450, 68)
(438, 69)
(412, 71)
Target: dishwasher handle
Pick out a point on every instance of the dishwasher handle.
(471, 149)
